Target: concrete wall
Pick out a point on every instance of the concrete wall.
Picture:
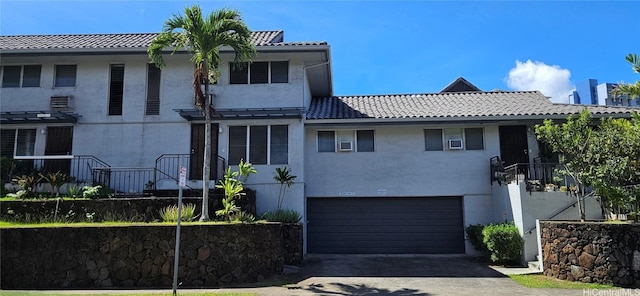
(512, 202)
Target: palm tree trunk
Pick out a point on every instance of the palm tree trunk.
(206, 167)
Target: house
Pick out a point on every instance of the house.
(375, 174)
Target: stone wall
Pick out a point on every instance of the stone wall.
(592, 252)
(141, 255)
(139, 209)
(292, 243)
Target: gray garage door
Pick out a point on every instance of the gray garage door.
(399, 225)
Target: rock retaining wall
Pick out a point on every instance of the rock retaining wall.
(592, 252)
(142, 255)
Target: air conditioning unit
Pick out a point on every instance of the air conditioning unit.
(60, 102)
(345, 145)
(455, 144)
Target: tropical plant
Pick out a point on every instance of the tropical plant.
(74, 191)
(243, 216)
(202, 38)
(170, 213)
(631, 90)
(244, 170)
(27, 183)
(284, 177)
(91, 191)
(284, 216)
(55, 180)
(232, 188)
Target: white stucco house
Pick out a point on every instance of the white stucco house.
(375, 174)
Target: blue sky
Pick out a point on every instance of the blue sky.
(385, 47)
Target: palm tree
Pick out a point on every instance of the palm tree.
(631, 90)
(203, 38)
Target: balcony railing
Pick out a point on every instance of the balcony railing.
(535, 175)
(78, 166)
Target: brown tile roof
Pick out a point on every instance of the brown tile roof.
(449, 106)
(119, 41)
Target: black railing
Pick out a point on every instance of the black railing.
(538, 176)
(123, 180)
(497, 170)
(77, 166)
(167, 167)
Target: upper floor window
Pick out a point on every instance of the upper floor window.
(259, 73)
(153, 90)
(65, 75)
(21, 76)
(346, 140)
(116, 89)
(454, 139)
(259, 144)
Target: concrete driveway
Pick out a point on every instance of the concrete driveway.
(400, 275)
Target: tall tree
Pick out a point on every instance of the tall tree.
(631, 90)
(202, 38)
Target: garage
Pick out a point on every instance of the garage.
(385, 225)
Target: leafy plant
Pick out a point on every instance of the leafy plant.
(244, 170)
(284, 177)
(55, 180)
(284, 216)
(503, 242)
(243, 216)
(474, 233)
(28, 183)
(74, 191)
(232, 189)
(170, 213)
(91, 191)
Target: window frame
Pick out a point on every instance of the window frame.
(20, 83)
(116, 91)
(242, 75)
(56, 79)
(27, 146)
(335, 134)
(269, 148)
(152, 97)
(463, 136)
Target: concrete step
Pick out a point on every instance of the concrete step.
(534, 265)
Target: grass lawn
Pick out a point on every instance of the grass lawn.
(542, 281)
(60, 293)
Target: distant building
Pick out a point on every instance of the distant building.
(589, 92)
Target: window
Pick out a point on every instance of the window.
(65, 76)
(433, 140)
(20, 142)
(470, 138)
(347, 140)
(21, 76)
(259, 144)
(364, 139)
(259, 73)
(474, 138)
(116, 88)
(153, 90)
(326, 141)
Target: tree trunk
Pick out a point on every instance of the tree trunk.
(206, 167)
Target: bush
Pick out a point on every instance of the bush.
(243, 216)
(284, 216)
(474, 232)
(504, 243)
(170, 213)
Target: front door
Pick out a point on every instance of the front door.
(59, 142)
(197, 151)
(513, 144)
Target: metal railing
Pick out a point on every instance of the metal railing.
(77, 166)
(167, 167)
(124, 180)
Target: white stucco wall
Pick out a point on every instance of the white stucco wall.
(400, 167)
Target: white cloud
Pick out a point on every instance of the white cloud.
(552, 81)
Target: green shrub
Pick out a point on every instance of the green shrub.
(170, 213)
(243, 216)
(91, 191)
(284, 216)
(503, 242)
(474, 232)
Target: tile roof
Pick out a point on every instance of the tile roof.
(449, 106)
(119, 41)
